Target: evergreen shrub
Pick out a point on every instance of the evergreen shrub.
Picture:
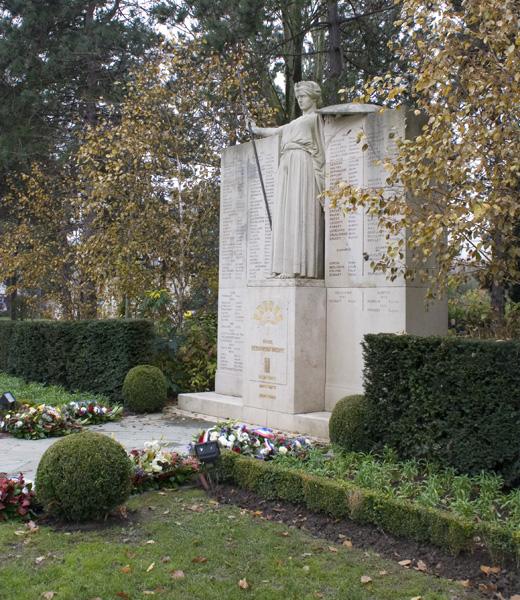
(347, 423)
(454, 401)
(90, 356)
(83, 477)
(189, 359)
(145, 389)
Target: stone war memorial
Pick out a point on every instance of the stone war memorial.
(296, 300)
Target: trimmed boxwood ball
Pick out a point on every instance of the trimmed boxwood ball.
(83, 477)
(145, 389)
(347, 423)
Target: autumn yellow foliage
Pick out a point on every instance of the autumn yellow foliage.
(136, 206)
(462, 173)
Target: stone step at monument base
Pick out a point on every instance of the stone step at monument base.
(220, 406)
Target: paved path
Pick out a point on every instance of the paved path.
(175, 430)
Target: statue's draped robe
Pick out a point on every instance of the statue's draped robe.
(298, 229)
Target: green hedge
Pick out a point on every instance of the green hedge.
(342, 499)
(91, 356)
(453, 401)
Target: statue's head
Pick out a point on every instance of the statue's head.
(308, 88)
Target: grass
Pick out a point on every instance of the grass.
(38, 393)
(215, 546)
(478, 498)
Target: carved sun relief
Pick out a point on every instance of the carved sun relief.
(268, 313)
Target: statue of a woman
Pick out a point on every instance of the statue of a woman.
(298, 230)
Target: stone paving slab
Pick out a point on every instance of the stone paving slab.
(176, 431)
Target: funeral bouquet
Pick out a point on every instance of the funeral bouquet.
(16, 497)
(91, 413)
(260, 442)
(155, 466)
(35, 422)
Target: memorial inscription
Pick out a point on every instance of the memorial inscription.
(258, 230)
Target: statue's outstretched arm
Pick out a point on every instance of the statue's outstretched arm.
(264, 131)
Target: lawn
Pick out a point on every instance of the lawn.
(180, 544)
(38, 393)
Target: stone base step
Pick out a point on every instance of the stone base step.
(211, 404)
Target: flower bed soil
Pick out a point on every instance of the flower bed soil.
(464, 567)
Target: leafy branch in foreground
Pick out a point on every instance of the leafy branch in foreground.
(461, 211)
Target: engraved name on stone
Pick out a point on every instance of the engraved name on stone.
(233, 217)
(230, 330)
(258, 230)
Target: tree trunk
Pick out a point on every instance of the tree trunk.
(334, 51)
(294, 36)
(12, 305)
(318, 38)
(498, 305)
(89, 308)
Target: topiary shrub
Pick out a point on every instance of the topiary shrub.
(83, 476)
(144, 389)
(453, 401)
(347, 423)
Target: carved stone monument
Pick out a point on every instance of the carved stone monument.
(289, 348)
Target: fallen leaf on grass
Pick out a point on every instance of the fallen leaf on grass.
(166, 512)
(123, 595)
(465, 583)
(332, 549)
(347, 544)
(126, 569)
(48, 595)
(199, 559)
(196, 508)
(487, 587)
(39, 559)
(318, 595)
(150, 542)
(405, 563)
(243, 585)
(148, 593)
(417, 598)
(177, 574)
(165, 559)
(257, 513)
(490, 570)
(383, 573)
(365, 579)
(421, 565)
(150, 567)
(306, 568)
(284, 534)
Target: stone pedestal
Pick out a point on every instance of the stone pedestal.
(288, 350)
(285, 350)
